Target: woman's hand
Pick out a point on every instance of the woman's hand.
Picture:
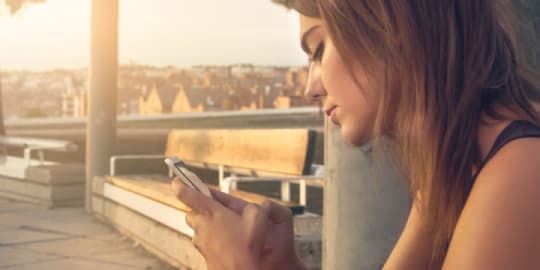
(235, 235)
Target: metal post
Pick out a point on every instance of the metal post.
(364, 210)
(221, 172)
(285, 191)
(101, 124)
(302, 191)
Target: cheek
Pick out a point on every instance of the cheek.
(340, 85)
(358, 118)
(356, 108)
(334, 74)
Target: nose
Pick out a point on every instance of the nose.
(314, 87)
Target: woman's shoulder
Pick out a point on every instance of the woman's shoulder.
(506, 140)
(499, 228)
(512, 169)
(516, 157)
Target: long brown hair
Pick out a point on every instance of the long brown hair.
(447, 62)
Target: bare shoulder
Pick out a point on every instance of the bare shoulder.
(499, 227)
(520, 157)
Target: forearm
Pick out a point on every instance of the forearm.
(294, 264)
(300, 266)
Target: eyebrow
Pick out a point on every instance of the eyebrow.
(303, 42)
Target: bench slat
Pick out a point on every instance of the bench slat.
(151, 186)
(158, 188)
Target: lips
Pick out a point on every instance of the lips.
(330, 110)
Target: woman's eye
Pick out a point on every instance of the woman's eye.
(318, 53)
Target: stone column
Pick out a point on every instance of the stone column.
(2, 126)
(101, 123)
(365, 210)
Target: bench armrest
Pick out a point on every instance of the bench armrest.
(316, 173)
(229, 183)
(112, 170)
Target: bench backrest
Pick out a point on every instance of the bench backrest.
(261, 151)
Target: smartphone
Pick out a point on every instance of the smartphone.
(189, 178)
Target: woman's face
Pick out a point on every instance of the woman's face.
(349, 105)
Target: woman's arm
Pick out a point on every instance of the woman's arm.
(413, 249)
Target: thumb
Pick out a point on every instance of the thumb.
(277, 213)
(192, 198)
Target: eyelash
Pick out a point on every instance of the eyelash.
(317, 54)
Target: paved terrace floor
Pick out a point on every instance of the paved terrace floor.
(32, 237)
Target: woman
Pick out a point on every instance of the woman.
(444, 80)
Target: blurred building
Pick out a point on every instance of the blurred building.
(292, 93)
(157, 99)
(190, 100)
(74, 98)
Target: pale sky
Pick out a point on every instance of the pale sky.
(157, 32)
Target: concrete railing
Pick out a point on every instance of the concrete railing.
(148, 134)
(267, 118)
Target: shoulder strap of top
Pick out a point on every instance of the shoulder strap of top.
(516, 130)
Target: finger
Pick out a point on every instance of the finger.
(231, 202)
(197, 243)
(277, 213)
(198, 240)
(257, 217)
(189, 219)
(193, 221)
(192, 198)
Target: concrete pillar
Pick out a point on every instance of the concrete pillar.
(364, 210)
(101, 124)
(2, 127)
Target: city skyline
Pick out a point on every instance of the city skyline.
(146, 90)
(182, 34)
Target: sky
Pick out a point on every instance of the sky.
(55, 34)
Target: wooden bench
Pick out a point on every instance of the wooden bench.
(148, 200)
(283, 155)
(37, 180)
(15, 167)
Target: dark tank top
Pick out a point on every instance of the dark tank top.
(516, 130)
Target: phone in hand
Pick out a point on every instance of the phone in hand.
(178, 167)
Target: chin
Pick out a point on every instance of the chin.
(354, 135)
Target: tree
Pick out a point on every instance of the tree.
(286, 3)
(16, 5)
